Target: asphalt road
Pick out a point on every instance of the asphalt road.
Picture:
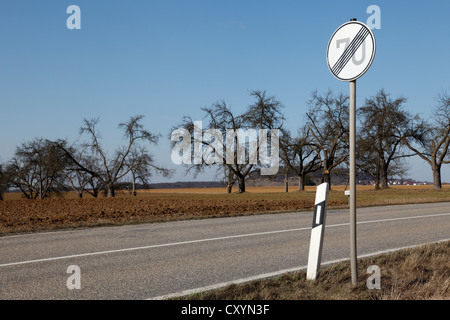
(154, 260)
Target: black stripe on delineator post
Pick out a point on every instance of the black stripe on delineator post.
(350, 50)
(319, 208)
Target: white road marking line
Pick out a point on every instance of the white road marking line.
(207, 240)
(278, 273)
(151, 246)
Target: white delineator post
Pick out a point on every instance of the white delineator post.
(317, 231)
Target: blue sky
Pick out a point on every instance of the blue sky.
(166, 59)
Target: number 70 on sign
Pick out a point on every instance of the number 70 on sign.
(351, 50)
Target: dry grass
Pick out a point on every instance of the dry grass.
(421, 273)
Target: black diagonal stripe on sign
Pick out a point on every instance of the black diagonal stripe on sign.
(348, 53)
(350, 50)
(356, 44)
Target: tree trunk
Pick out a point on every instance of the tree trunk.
(326, 172)
(241, 184)
(133, 191)
(301, 183)
(80, 194)
(26, 194)
(437, 184)
(384, 178)
(377, 173)
(230, 179)
(40, 187)
(110, 191)
(286, 183)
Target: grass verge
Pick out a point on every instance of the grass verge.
(420, 273)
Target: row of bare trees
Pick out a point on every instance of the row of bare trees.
(41, 166)
(264, 113)
(387, 135)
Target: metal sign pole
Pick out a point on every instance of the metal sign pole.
(353, 253)
(350, 53)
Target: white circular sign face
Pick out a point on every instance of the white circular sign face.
(351, 51)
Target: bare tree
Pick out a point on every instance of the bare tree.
(94, 186)
(222, 148)
(78, 179)
(431, 140)
(141, 166)
(227, 177)
(35, 168)
(298, 155)
(220, 118)
(381, 119)
(368, 161)
(114, 168)
(366, 157)
(328, 120)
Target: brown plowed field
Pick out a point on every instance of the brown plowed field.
(30, 215)
(21, 215)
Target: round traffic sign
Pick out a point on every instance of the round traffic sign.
(350, 51)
